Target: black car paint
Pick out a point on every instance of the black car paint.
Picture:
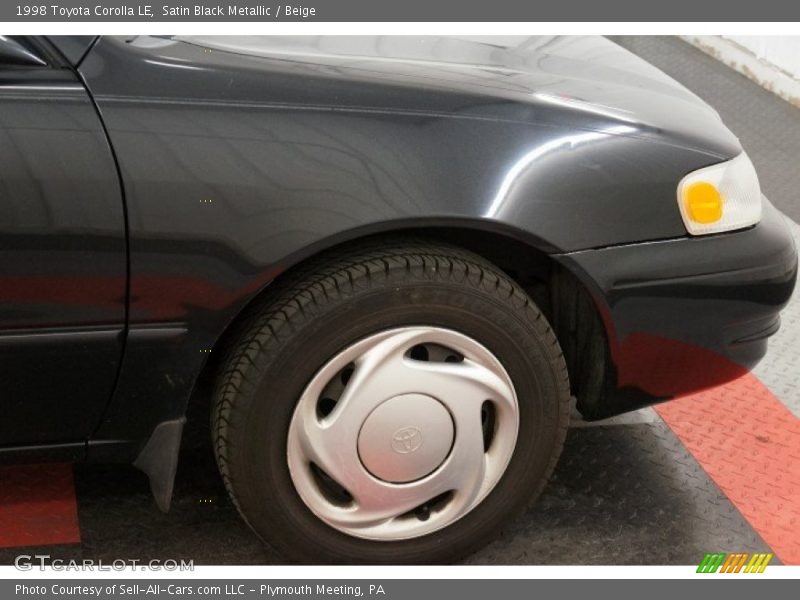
(235, 168)
(63, 272)
(73, 47)
(688, 314)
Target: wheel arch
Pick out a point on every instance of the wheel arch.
(563, 296)
(564, 299)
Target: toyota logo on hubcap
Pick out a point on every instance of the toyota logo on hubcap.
(406, 440)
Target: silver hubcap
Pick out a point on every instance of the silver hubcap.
(405, 438)
(402, 433)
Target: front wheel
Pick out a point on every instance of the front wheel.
(392, 404)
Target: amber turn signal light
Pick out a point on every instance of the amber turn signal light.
(703, 201)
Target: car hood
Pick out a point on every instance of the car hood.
(593, 82)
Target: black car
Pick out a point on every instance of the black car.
(390, 261)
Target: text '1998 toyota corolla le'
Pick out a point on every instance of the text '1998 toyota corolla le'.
(390, 261)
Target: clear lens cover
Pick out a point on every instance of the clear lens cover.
(737, 183)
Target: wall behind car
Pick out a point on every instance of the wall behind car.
(771, 61)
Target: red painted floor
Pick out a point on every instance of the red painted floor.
(37, 506)
(749, 444)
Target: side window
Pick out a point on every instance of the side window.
(14, 52)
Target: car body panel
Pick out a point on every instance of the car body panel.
(237, 167)
(591, 81)
(241, 158)
(684, 315)
(63, 269)
(73, 47)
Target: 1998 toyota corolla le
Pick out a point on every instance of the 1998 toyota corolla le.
(390, 261)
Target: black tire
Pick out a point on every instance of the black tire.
(327, 306)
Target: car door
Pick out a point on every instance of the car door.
(62, 253)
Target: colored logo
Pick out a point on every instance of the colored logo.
(406, 440)
(734, 563)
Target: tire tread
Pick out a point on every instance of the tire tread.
(282, 311)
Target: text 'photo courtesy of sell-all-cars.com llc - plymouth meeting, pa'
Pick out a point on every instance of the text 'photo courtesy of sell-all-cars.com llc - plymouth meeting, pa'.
(391, 263)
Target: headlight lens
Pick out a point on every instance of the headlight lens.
(721, 197)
